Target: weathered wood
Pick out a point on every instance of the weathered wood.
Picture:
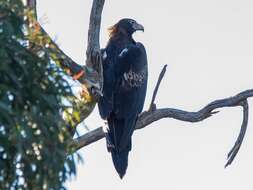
(233, 152)
(148, 117)
(91, 77)
(152, 104)
(91, 74)
(93, 53)
(89, 138)
(93, 47)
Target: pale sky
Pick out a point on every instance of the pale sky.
(208, 46)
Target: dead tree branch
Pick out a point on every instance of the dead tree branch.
(152, 104)
(93, 53)
(90, 76)
(148, 117)
(233, 152)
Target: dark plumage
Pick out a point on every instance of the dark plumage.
(125, 83)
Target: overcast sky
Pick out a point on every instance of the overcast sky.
(208, 46)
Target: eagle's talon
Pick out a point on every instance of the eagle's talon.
(110, 146)
(152, 107)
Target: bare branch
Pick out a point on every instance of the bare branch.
(89, 138)
(148, 117)
(93, 53)
(152, 104)
(233, 152)
(89, 76)
(65, 60)
(92, 74)
(94, 29)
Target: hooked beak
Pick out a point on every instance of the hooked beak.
(138, 26)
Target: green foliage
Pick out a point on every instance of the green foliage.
(33, 94)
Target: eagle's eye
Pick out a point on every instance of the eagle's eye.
(131, 21)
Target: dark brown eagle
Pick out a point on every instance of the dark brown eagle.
(125, 84)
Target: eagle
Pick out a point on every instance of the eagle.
(125, 75)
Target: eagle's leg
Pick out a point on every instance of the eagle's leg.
(110, 146)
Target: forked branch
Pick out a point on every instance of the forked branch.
(148, 117)
(90, 73)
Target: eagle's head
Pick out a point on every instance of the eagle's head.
(125, 26)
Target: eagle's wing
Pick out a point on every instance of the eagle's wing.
(105, 103)
(130, 88)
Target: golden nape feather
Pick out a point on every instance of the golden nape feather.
(113, 30)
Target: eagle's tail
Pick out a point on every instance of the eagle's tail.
(120, 161)
(120, 136)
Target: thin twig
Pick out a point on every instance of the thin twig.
(233, 152)
(162, 73)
